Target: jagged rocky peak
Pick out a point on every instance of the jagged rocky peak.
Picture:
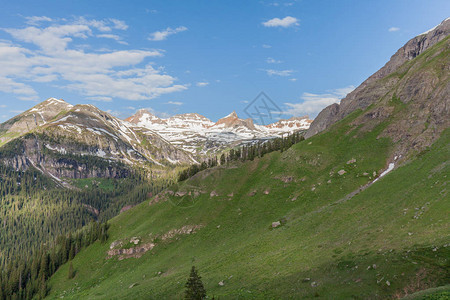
(373, 89)
(232, 115)
(232, 120)
(144, 118)
(293, 123)
(38, 115)
(189, 120)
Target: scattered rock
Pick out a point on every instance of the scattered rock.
(365, 174)
(374, 266)
(132, 285)
(213, 194)
(252, 193)
(286, 179)
(180, 194)
(276, 224)
(388, 283)
(135, 240)
(374, 173)
(294, 198)
(351, 161)
(114, 244)
(341, 172)
(307, 279)
(230, 194)
(266, 192)
(218, 226)
(329, 181)
(125, 208)
(221, 283)
(313, 188)
(314, 284)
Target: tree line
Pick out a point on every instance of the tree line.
(244, 153)
(27, 278)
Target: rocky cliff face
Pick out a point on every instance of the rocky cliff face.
(36, 116)
(200, 136)
(399, 76)
(82, 141)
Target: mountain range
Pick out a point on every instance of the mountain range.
(358, 210)
(56, 138)
(199, 135)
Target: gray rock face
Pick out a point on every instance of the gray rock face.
(81, 142)
(380, 83)
(325, 118)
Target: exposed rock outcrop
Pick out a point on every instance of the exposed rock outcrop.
(400, 78)
(409, 77)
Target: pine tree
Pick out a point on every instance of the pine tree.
(194, 287)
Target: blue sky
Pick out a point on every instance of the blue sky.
(209, 57)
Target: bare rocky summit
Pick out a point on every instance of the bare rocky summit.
(417, 76)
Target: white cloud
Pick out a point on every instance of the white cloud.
(293, 79)
(174, 103)
(118, 24)
(112, 37)
(204, 83)
(101, 98)
(35, 20)
(266, 46)
(162, 35)
(271, 60)
(392, 29)
(58, 56)
(282, 73)
(3, 106)
(285, 22)
(312, 104)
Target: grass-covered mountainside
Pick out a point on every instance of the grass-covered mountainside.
(323, 219)
(387, 240)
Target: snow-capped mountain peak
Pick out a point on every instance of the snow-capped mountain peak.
(197, 134)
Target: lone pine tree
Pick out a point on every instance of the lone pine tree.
(194, 286)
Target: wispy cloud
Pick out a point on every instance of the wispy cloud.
(112, 37)
(271, 60)
(202, 83)
(174, 103)
(282, 73)
(266, 46)
(119, 24)
(35, 20)
(55, 56)
(162, 35)
(393, 29)
(3, 106)
(101, 98)
(285, 22)
(312, 104)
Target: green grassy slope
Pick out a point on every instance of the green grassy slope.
(387, 240)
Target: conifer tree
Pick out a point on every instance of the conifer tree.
(194, 287)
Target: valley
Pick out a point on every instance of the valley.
(351, 205)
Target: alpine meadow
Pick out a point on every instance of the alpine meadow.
(328, 180)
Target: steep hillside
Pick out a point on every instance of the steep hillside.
(298, 224)
(32, 118)
(358, 211)
(85, 142)
(412, 76)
